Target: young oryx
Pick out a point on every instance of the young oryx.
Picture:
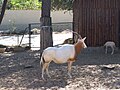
(64, 54)
(109, 44)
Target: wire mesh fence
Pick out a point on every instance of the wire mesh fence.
(61, 26)
(31, 35)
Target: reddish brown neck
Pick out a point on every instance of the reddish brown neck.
(78, 47)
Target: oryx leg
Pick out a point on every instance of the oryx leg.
(45, 66)
(112, 50)
(69, 68)
(106, 49)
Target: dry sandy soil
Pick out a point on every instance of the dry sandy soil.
(93, 70)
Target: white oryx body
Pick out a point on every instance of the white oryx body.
(64, 54)
(59, 55)
(111, 45)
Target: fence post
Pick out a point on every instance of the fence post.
(30, 35)
(46, 37)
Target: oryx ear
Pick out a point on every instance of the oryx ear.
(84, 38)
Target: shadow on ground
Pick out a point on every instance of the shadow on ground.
(21, 70)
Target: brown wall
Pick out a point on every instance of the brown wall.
(98, 20)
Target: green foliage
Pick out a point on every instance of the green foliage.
(62, 4)
(36, 4)
(1, 1)
(23, 4)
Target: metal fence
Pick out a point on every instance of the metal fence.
(61, 26)
(34, 29)
(30, 36)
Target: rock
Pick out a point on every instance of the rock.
(2, 50)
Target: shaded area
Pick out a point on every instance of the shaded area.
(97, 56)
(21, 71)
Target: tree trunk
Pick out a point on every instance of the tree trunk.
(46, 34)
(3, 10)
(46, 26)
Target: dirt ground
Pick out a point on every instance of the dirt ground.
(93, 70)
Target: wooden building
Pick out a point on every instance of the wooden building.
(98, 20)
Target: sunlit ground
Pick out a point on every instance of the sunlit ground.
(35, 40)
